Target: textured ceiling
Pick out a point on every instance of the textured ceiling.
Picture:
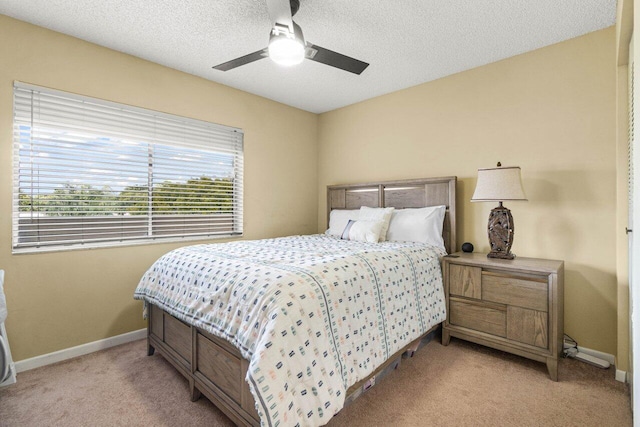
(407, 42)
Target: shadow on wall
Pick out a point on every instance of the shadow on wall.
(464, 187)
(571, 186)
(590, 317)
(129, 314)
(570, 215)
(542, 190)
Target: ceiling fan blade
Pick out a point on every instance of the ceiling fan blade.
(234, 63)
(334, 59)
(280, 13)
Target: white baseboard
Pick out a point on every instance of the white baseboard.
(81, 350)
(620, 375)
(599, 354)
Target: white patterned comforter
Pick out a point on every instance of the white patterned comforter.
(312, 314)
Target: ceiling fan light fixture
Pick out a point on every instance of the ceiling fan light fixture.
(286, 48)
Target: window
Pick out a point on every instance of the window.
(91, 173)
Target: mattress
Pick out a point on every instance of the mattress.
(313, 315)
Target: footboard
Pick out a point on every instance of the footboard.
(213, 366)
(216, 369)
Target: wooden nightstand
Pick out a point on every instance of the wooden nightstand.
(511, 305)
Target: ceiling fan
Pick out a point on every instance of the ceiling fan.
(288, 47)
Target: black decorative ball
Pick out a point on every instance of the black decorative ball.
(467, 247)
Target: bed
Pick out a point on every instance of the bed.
(311, 322)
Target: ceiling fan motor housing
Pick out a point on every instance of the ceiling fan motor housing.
(295, 5)
(283, 31)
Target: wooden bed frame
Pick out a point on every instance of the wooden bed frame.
(216, 369)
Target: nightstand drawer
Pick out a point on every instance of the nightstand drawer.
(527, 326)
(465, 281)
(480, 318)
(526, 292)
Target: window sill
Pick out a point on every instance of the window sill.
(119, 244)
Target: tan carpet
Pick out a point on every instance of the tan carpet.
(459, 385)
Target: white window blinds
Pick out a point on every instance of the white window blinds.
(89, 172)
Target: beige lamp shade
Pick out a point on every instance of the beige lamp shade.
(499, 184)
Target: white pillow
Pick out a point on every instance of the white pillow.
(377, 214)
(338, 220)
(363, 231)
(422, 225)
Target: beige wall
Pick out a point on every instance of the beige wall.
(64, 299)
(553, 113)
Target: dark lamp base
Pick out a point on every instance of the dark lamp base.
(501, 255)
(500, 232)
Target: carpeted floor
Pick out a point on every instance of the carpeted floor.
(460, 385)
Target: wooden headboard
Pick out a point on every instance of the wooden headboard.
(411, 193)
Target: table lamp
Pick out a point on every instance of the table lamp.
(498, 185)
